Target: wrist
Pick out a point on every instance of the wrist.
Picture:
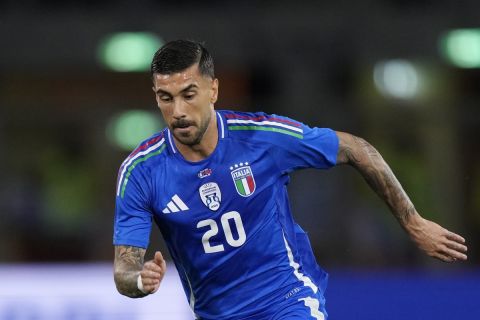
(414, 224)
(140, 285)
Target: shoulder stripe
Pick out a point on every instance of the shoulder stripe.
(139, 160)
(144, 146)
(262, 118)
(132, 162)
(266, 123)
(264, 128)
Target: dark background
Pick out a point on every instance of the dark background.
(310, 60)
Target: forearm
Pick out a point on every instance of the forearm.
(368, 161)
(432, 238)
(128, 264)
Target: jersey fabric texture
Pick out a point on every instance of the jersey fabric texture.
(226, 219)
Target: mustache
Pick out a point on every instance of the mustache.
(182, 123)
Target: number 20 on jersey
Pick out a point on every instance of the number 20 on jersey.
(213, 230)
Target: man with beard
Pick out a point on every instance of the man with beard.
(214, 182)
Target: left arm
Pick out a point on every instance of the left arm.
(429, 236)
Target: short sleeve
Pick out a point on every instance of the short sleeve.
(133, 216)
(312, 148)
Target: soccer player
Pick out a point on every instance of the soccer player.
(214, 182)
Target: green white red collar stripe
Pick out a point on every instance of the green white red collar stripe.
(264, 123)
(263, 118)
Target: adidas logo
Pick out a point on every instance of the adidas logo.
(175, 205)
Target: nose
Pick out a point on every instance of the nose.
(179, 109)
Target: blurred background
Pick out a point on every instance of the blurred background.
(75, 99)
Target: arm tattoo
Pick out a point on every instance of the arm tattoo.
(128, 264)
(368, 161)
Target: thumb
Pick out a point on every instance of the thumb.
(158, 258)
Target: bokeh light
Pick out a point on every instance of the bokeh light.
(128, 51)
(127, 129)
(397, 79)
(461, 47)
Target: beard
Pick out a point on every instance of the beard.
(194, 138)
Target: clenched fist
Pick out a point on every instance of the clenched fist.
(152, 274)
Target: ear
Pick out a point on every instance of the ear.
(214, 89)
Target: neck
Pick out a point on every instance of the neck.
(206, 146)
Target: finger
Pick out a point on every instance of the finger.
(158, 259)
(454, 254)
(155, 288)
(152, 288)
(149, 282)
(152, 266)
(455, 237)
(148, 285)
(442, 257)
(457, 246)
(147, 274)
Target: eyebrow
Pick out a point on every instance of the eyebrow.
(189, 87)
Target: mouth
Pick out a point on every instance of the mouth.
(184, 131)
(182, 125)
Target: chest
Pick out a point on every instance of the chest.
(239, 179)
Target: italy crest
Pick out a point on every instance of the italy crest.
(242, 176)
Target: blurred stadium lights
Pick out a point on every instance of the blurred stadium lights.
(397, 78)
(127, 129)
(128, 51)
(461, 47)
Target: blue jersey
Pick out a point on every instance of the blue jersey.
(226, 219)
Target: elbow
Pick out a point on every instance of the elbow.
(364, 154)
(354, 151)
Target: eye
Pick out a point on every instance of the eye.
(165, 98)
(189, 95)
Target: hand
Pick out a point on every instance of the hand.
(153, 272)
(437, 241)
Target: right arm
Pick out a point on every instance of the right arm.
(432, 238)
(129, 264)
